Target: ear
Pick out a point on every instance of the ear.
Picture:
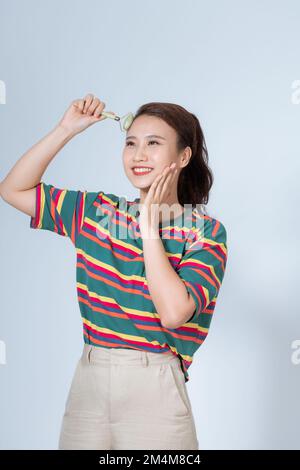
(186, 156)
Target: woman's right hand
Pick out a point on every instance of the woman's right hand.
(82, 113)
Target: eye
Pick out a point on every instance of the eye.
(130, 142)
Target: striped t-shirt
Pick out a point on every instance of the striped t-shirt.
(114, 300)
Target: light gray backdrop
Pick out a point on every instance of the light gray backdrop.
(235, 64)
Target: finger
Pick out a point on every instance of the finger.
(151, 193)
(87, 101)
(162, 176)
(155, 185)
(99, 110)
(174, 172)
(164, 183)
(100, 118)
(165, 174)
(79, 104)
(168, 182)
(157, 191)
(93, 105)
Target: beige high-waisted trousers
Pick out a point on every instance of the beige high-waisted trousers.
(127, 399)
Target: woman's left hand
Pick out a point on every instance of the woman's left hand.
(159, 190)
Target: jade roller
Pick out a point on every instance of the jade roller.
(124, 121)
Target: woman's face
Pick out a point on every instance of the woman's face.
(142, 149)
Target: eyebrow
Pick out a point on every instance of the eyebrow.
(152, 135)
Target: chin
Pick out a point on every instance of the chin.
(141, 185)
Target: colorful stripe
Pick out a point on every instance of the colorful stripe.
(112, 290)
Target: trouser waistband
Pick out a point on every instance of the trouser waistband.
(97, 354)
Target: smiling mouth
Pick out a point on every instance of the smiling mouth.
(141, 171)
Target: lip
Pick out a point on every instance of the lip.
(141, 173)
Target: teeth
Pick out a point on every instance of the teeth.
(142, 170)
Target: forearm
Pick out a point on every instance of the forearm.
(28, 170)
(167, 290)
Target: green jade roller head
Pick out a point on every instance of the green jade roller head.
(124, 121)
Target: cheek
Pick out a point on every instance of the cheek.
(125, 159)
(161, 158)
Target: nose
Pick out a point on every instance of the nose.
(139, 156)
(140, 160)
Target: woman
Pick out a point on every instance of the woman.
(147, 283)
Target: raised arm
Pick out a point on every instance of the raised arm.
(18, 187)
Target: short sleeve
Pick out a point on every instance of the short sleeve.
(60, 210)
(202, 268)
